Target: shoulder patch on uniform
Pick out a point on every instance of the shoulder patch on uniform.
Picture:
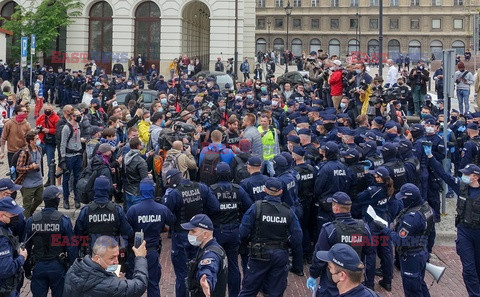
(403, 233)
(206, 261)
(4, 253)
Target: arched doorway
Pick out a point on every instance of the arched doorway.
(459, 47)
(373, 48)
(334, 47)
(353, 47)
(147, 33)
(414, 51)
(261, 46)
(100, 35)
(297, 47)
(6, 12)
(279, 47)
(315, 45)
(436, 48)
(196, 32)
(393, 49)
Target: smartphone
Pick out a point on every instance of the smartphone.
(138, 239)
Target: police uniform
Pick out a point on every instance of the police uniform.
(50, 82)
(344, 229)
(185, 199)
(11, 272)
(255, 184)
(356, 171)
(467, 222)
(412, 228)
(52, 247)
(395, 166)
(103, 217)
(270, 225)
(211, 261)
(234, 201)
(150, 217)
(471, 149)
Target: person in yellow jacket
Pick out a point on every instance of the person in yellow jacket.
(144, 127)
(173, 67)
(365, 98)
(270, 144)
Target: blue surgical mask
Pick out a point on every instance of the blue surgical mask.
(466, 179)
(358, 71)
(249, 96)
(112, 268)
(342, 105)
(164, 101)
(263, 89)
(191, 90)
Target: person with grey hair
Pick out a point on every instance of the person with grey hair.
(96, 275)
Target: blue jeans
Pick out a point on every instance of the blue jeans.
(269, 165)
(49, 149)
(463, 96)
(74, 164)
(130, 200)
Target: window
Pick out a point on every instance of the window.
(334, 24)
(297, 47)
(415, 24)
(278, 45)
(414, 2)
(334, 3)
(334, 47)
(373, 48)
(297, 3)
(297, 23)
(393, 2)
(7, 10)
(353, 23)
(100, 34)
(315, 23)
(261, 3)
(373, 2)
(393, 49)
(314, 3)
(147, 32)
(278, 23)
(459, 47)
(260, 23)
(414, 51)
(436, 23)
(261, 45)
(458, 2)
(279, 3)
(315, 45)
(457, 24)
(353, 3)
(436, 2)
(353, 46)
(436, 48)
(394, 24)
(373, 24)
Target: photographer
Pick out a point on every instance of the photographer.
(419, 77)
(336, 83)
(46, 127)
(361, 81)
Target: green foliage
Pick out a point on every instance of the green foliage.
(44, 21)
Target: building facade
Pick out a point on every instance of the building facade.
(418, 28)
(111, 30)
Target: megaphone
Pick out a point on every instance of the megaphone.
(436, 271)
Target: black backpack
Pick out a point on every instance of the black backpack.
(85, 185)
(13, 169)
(208, 169)
(241, 171)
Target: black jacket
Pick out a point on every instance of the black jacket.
(86, 278)
(135, 170)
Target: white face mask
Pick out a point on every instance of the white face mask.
(118, 125)
(193, 240)
(429, 130)
(38, 142)
(147, 120)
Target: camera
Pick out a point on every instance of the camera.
(39, 128)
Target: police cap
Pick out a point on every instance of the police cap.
(342, 255)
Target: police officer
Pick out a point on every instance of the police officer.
(306, 181)
(150, 217)
(412, 228)
(67, 86)
(345, 269)
(50, 82)
(357, 175)
(270, 225)
(418, 134)
(60, 86)
(7, 189)
(410, 161)
(395, 166)
(347, 230)
(76, 86)
(290, 186)
(234, 201)
(254, 184)
(185, 199)
(12, 257)
(331, 178)
(207, 275)
(50, 257)
(471, 150)
(15, 76)
(371, 154)
(467, 222)
(103, 217)
(377, 126)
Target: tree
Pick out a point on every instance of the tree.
(44, 21)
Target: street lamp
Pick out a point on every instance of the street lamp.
(288, 12)
(269, 23)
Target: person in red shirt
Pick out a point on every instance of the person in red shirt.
(46, 126)
(336, 83)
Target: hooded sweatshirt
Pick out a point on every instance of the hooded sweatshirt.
(14, 134)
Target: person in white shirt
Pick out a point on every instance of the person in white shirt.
(87, 95)
(392, 74)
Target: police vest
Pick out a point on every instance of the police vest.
(229, 205)
(45, 225)
(194, 287)
(271, 224)
(476, 156)
(376, 160)
(355, 235)
(9, 284)
(427, 213)
(361, 181)
(416, 164)
(51, 79)
(399, 174)
(102, 219)
(192, 204)
(468, 209)
(306, 183)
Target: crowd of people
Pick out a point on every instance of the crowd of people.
(265, 169)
